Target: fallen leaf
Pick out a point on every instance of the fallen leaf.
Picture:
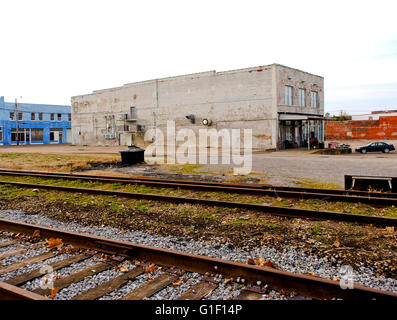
(336, 243)
(123, 269)
(53, 293)
(151, 268)
(270, 264)
(391, 229)
(177, 283)
(251, 261)
(227, 281)
(36, 234)
(259, 262)
(54, 243)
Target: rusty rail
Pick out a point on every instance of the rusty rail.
(270, 210)
(308, 286)
(374, 198)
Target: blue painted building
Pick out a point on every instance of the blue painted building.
(37, 123)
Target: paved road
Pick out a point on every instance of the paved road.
(280, 167)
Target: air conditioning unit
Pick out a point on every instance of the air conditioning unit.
(109, 136)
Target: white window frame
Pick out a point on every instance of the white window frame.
(289, 95)
(302, 97)
(314, 99)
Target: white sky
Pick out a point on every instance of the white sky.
(52, 50)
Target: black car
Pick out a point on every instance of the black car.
(376, 146)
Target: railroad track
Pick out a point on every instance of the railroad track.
(265, 209)
(153, 268)
(374, 198)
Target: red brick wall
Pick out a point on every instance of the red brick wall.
(385, 127)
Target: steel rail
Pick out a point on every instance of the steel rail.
(384, 199)
(10, 292)
(308, 286)
(266, 209)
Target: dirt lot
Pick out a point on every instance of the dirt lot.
(288, 167)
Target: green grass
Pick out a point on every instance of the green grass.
(187, 168)
(317, 230)
(313, 183)
(309, 204)
(53, 161)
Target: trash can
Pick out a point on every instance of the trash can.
(132, 155)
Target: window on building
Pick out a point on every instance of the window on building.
(59, 116)
(37, 134)
(132, 113)
(56, 134)
(69, 117)
(314, 99)
(12, 116)
(20, 116)
(1, 134)
(52, 116)
(41, 116)
(32, 116)
(302, 97)
(289, 95)
(21, 135)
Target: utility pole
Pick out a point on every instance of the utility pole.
(17, 118)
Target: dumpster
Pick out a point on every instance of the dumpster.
(132, 155)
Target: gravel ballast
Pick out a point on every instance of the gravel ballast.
(290, 259)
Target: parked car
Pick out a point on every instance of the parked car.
(376, 146)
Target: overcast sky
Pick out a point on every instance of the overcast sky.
(52, 50)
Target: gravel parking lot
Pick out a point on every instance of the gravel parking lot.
(285, 167)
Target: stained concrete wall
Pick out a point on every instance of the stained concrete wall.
(238, 99)
(299, 80)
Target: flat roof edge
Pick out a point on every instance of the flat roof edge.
(190, 75)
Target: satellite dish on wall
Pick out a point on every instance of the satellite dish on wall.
(206, 122)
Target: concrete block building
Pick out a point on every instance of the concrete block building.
(283, 106)
(27, 123)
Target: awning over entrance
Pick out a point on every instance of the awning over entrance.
(300, 130)
(292, 117)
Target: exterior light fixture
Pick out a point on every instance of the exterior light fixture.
(191, 117)
(206, 122)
